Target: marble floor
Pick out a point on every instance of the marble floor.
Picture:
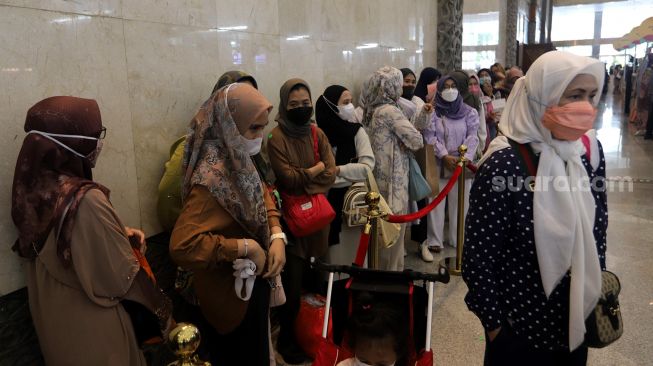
(457, 337)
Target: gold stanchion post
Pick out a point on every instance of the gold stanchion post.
(454, 264)
(373, 215)
(184, 341)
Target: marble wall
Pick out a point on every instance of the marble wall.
(151, 63)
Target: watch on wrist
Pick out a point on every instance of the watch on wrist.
(281, 236)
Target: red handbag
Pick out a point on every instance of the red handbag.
(308, 213)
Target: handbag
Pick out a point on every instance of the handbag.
(604, 325)
(387, 231)
(277, 293)
(418, 187)
(354, 207)
(425, 158)
(308, 213)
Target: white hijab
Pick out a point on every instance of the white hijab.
(563, 220)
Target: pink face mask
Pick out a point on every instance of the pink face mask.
(475, 89)
(570, 121)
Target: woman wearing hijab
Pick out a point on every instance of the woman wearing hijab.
(486, 80)
(427, 77)
(84, 277)
(534, 254)
(290, 148)
(475, 91)
(229, 222)
(169, 200)
(334, 114)
(454, 123)
(409, 103)
(392, 137)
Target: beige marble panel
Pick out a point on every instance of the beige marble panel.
(171, 71)
(302, 58)
(110, 8)
(200, 13)
(42, 57)
(337, 62)
(256, 54)
(338, 20)
(367, 24)
(258, 16)
(300, 18)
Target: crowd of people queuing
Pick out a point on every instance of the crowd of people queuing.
(219, 200)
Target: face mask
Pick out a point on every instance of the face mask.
(570, 121)
(92, 157)
(300, 115)
(252, 146)
(408, 92)
(475, 89)
(346, 112)
(450, 95)
(486, 80)
(358, 362)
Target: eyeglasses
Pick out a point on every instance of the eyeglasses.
(103, 133)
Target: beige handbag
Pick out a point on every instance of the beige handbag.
(354, 207)
(387, 231)
(425, 158)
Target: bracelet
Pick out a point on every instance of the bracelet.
(281, 236)
(246, 244)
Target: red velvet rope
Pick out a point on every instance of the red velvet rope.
(362, 249)
(399, 219)
(472, 168)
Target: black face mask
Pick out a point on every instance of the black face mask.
(408, 92)
(300, 115)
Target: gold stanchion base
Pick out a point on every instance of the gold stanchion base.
(450, 264)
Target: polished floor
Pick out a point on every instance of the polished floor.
(458, 337)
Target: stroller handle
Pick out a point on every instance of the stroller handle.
(442, 274)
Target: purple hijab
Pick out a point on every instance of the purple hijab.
(451, 110)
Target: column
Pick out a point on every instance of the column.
(596, 45)
(512, 10)
(450, 35)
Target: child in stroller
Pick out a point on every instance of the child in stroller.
(377, 333)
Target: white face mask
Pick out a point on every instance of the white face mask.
(91, 157)
(252, 146)
(346, 112)
(450, 95)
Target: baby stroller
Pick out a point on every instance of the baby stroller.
(398, 287)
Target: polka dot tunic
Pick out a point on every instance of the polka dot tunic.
(500, 263)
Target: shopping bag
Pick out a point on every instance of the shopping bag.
(309, 324)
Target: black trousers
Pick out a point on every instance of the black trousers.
(508, 349)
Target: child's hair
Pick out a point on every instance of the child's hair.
(376, 321)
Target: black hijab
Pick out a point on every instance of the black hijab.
(340, 133)
(426, 77)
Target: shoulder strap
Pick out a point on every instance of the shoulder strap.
(527, 156)
(316, 147)
(586, 142)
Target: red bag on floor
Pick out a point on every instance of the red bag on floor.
(329, 354)
(309, 324)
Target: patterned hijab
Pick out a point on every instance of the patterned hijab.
(286, 126)
(384, 87)
(234, 76)
(49, 178)
(216, 157)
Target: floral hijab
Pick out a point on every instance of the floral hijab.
(50, 181)
(216, 157)
(385, 86)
